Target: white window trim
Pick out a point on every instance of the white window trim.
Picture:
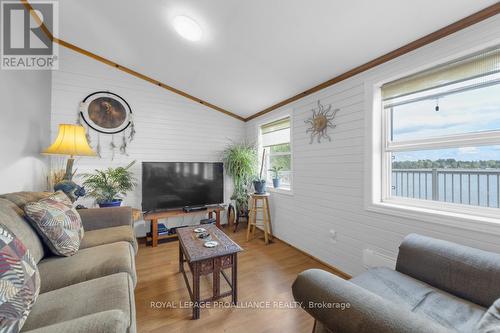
(481, 219)
(449, 141)
(270, 187)
(281, 190)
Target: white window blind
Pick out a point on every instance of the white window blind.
(479, 65)
(276, 133)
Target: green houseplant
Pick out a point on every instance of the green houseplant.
(276, 178)
(240, 160)
(259, 184)
(109, 186)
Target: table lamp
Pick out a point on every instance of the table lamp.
(71, 140)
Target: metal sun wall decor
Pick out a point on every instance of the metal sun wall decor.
(107, 113)
(320, 121)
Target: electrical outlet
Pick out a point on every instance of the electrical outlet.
(333, 236)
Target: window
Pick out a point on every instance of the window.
(275, 140)
(441, 135)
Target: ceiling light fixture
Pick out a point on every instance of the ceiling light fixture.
(187, 28)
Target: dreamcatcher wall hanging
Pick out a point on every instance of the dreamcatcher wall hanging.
(107, 113)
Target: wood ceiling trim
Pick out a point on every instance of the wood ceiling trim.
(125, 69)
(432, 37)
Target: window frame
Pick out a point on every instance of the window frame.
(442, 142)
(269, 187)
(378, 163)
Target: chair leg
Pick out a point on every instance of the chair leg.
(268, 211)
(249, 224)
(264, 222)
(254, 218)
(249, 219)
(236, 221)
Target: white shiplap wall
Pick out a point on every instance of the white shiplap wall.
(329, 178)
(169, 127)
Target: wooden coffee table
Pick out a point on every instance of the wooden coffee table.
(203, 261)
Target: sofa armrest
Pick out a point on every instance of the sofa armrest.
(322, 295)
(99, 218)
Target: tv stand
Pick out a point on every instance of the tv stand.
(155, 216)
(189, 209)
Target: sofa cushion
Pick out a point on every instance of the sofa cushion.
(490, 323)
(319, 327)
(113, 292)
(451, 267)
(111, 321)
(87, 264)
(57, 222)
(19, 282)
(445, 309)
(11, 216)
(109, 235)
(99, 218)
(22, 198)
(59, 196)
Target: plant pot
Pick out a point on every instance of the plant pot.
(276, 182)
(114, 203)
(259, 186)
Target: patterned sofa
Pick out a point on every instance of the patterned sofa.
(91, 291)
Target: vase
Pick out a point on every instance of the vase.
(259, 186)
(276, 182)
(113, 203)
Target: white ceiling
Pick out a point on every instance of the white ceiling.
(255, 53)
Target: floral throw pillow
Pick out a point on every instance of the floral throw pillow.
(61, 197)
(57, 222)
(19, 282)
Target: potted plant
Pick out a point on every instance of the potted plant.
(108, 187)
(240, 160)
(259, 184)
(276, 179)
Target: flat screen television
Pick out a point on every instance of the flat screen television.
(170, 185)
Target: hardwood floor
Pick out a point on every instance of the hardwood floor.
(265, 274)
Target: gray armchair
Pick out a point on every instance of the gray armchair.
(437, 286)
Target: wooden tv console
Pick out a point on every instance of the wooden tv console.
(155, 216)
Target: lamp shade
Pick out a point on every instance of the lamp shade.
(71, 140)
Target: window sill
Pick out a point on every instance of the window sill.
(281, 190)
(430, 214)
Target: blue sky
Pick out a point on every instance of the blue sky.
(465, 112)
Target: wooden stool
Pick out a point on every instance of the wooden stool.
(266, 216)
